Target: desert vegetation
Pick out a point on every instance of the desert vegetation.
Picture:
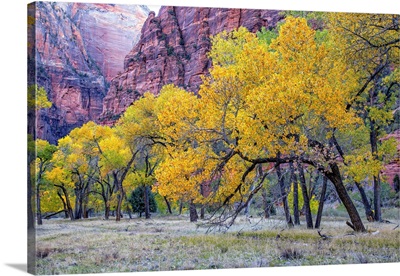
(277, 160)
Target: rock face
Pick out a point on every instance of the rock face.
(173, 49)
(78, 49)
(393, 167)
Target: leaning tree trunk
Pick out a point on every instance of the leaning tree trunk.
(67, 201)
(64, 204)
(321, 203)
(193, 212)
(296, 213)
(69, 207)
(336, 180)
(368, 211)
(306, 199)
(247, 208)
(284, 196)
(168, 205)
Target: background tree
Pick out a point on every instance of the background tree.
(61, 179)
(37, 99)
(370, 44)
(44, 154)
(137, 199)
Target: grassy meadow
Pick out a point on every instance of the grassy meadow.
(173, 243)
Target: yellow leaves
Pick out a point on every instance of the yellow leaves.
(371, 36)
(176, 111)
(181, 173)
(362, 166)
(59, 176)
(139, 119)
(115, 153)
(314, 203)
(227, 46)
(37, 98)
(295, 40)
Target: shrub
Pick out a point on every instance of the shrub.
(136, 199)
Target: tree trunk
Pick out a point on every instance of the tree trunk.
(296, 213)
(265, 203)
(85, 209)
(120, 196)
(119, 205)
(64, 205)
(376, 179)
(69, 207)
(377, 198)
(67, 201)
(247, 208)
(306, 199)
(78, 204)
(168, 205)
(180, 207)
(31, 220)
(120, 186)
(368, 211)
(107, 210)
(128, 209)
(336, 180)
(193, 212)
(321, 203)
(53, 214)
(38, 207)
(283, 196)
(146, 202)
(202, 212)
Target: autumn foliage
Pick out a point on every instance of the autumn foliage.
(298, 98)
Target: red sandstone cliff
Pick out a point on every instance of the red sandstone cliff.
(393, 167)
(173, 49)
(78, 49)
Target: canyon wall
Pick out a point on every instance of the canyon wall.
(173, 49)
(78, 48)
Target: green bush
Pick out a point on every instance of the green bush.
(136, 199)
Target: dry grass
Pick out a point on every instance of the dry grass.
(173, 243)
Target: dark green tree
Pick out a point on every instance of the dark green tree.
(137, 200)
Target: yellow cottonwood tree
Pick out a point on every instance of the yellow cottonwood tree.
(161, 128)
(370, 44)
(265, 104)
(62, 180)
(44, 154)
